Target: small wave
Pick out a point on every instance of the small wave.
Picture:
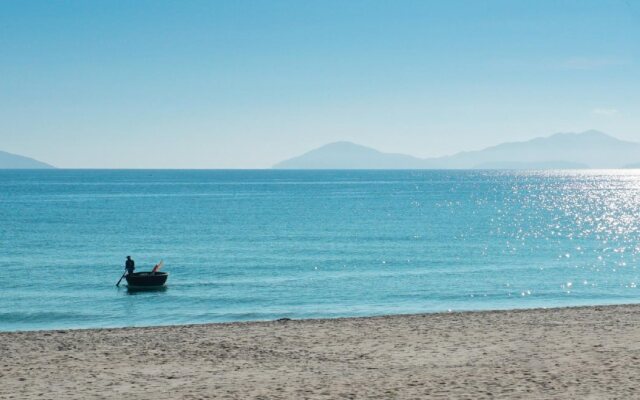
(44, 317)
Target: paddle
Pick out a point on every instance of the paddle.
(119, 280)
(157, 267)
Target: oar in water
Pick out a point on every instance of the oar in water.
(119, 280)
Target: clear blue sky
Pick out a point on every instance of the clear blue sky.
(244, 84)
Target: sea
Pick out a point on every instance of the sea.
(243, 245)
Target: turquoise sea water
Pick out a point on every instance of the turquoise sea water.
(254, 245)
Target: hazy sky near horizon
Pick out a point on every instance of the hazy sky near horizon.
(245, 84)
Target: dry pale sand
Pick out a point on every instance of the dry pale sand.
(587, 352)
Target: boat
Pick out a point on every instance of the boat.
(147, 280)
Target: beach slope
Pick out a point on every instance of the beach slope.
(585, 352)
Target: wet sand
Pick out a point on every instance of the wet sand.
(585, 352)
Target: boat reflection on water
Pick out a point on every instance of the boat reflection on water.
(148, 289)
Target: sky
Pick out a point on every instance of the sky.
(245, 84)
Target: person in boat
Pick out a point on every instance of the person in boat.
(129, 265)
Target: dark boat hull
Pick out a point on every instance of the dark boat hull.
(147, 279)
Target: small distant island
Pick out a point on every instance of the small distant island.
(590, 149)
(14, 161)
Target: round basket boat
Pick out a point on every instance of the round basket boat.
(147, 280)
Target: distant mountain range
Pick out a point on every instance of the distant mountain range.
(14, 161)
(590, 149)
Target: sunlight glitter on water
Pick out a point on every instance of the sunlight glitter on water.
(267, 244)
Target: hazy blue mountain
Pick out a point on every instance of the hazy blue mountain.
(14, 161)
(532, 165)
(590, 149)
(346, 155)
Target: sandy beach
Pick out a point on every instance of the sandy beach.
(585, 352)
